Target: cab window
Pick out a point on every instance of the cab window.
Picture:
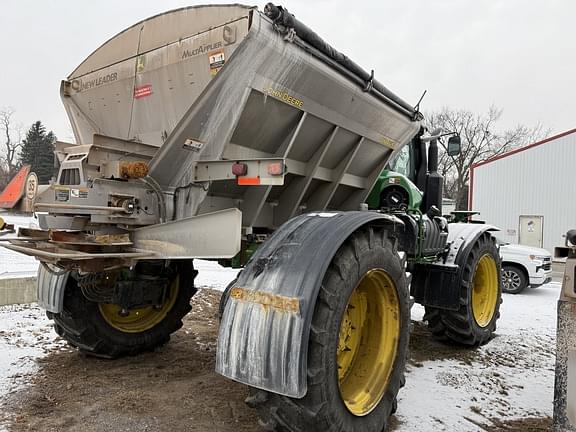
(402, 162)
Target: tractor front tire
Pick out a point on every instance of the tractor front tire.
(358, 344)
(474, 322)
(98, 330)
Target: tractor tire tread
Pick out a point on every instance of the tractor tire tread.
(460, 326)
(82, 326)
(316, 410)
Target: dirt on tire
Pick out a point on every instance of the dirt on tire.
(172, 389)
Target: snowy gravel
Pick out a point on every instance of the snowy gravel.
(511, 377)
(26, 334)
(14, 264)
(212, 275)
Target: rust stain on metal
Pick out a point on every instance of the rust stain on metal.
(133, 170)
(76, 238)
(63, 236)
(32, 233)
(286, 304)
(112, 239)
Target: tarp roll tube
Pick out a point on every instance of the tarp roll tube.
(285, 21)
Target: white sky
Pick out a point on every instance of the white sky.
(516, 54)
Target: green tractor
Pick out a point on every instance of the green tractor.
(326, 348)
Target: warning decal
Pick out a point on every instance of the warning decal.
(142, 91)
(217, 60)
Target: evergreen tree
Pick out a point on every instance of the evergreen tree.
(38, 151)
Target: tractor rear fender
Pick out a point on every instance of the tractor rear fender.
(50, 287)
(265, 326)
(438, 284)
(461, 238)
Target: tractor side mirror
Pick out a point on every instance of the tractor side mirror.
(454, 145)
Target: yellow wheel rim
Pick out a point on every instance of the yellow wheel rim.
(368, 342)
(485, 290)
(141, 319)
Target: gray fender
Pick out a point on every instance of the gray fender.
(462, 236)
(50, 287)
(264, 331)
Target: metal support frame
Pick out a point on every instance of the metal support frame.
(291, 198)
(322, 197)
(50, 253)
(206, 171)
(211, 235)
(78, 207)
(125, 147)
(255, 197)
(299, 168)
(359, 196)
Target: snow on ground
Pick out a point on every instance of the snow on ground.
(212, 275)
(14, 264)
(25, 335)
(511, 377)
(25, 332)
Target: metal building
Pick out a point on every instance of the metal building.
(529, 192)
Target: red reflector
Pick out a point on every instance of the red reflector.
(142, 91)
(239, 169)
(248, 181)
(276, 168)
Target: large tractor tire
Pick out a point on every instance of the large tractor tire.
(100, 330)
(474, 322)
(358, 344)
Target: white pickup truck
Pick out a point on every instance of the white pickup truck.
(524, 266)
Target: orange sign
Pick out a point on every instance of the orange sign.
(15, 189)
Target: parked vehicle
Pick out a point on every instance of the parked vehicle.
(524, 266)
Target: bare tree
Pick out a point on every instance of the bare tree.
(480, 141)
(12, 137)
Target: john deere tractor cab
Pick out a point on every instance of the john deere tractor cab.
(411, 173)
